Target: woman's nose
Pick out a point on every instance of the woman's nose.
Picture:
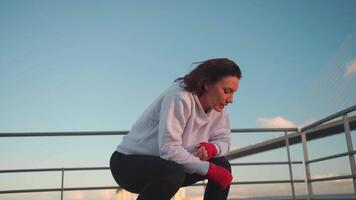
(230, 99)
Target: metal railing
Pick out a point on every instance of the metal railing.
(350, 152)
(289, 162)
(62, 189)
(322, 128)
(313, 131)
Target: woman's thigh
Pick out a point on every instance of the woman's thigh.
(190, 179)
(133, 172)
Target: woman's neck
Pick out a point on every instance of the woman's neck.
(204, 104)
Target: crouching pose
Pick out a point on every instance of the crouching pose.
(182, 137)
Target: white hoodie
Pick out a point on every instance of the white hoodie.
(171, 127)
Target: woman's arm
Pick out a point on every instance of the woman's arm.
(222, 141)
(221, 135)
(174, 113)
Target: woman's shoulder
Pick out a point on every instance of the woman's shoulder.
(177, 90)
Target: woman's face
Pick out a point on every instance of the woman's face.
(218, 95)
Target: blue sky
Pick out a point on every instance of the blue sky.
(95, 66)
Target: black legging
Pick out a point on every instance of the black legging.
(157, 179)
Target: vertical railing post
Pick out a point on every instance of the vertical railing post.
(289, 164)
(306, 165)
(350, 149)
(62, 184)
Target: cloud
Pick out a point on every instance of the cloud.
(107, 194)
(350, 68)
(263, 190)
(91, 195)
(275, 122)
(317, 176)
(75, 195)
(343, 186)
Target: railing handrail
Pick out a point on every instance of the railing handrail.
(53, 169)
(69, 133)
(102, 133)
(328, 118)
(331, 157)
(256, 130)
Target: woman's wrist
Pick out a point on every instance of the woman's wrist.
(210, 148)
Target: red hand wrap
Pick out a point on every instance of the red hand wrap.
(219, 175)
(210, 148)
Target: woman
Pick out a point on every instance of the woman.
(182, 137)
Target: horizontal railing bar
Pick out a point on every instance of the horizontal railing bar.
(254, 130)
(81, 133)
(86, 168)
(58, 189)
(53, 169)
(331, 157)
(331, 117)
(29, 170)
(102, 133)
(331, 178)
(91, 188)
(30, 190)
(266, 182)
(266, 163)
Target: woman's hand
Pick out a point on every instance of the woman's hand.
(205, 150)
(219, 175)
(201, 152)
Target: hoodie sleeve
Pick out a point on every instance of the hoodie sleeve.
(174, 113)
(221, 135)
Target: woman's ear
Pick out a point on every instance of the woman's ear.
(207, 85)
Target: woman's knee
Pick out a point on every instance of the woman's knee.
(114, 166)
(222, 161)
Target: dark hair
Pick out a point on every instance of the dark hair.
(211, 71)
